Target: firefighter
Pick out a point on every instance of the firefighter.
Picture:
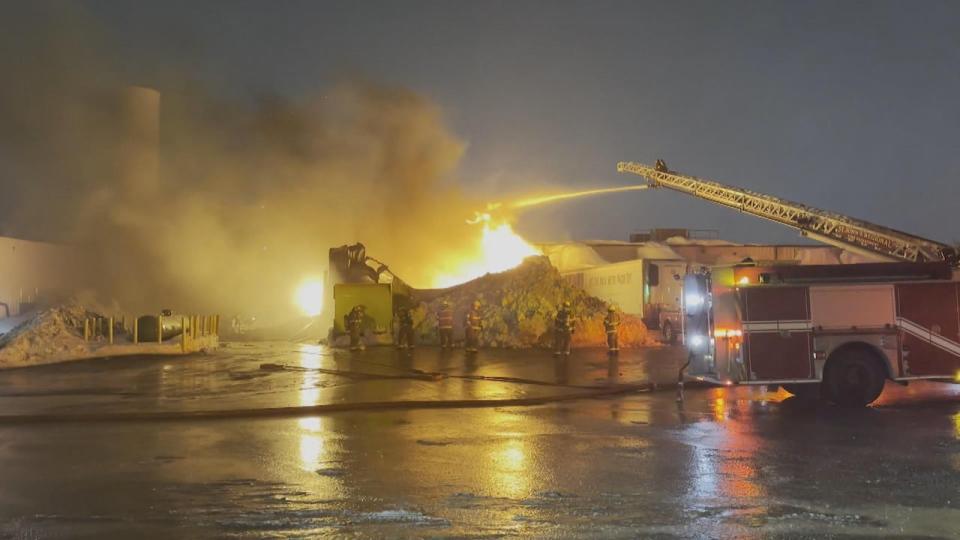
(611, 323)
(405, 333)
(472, 326)
(354, 324)
(445, 324)
(562, 330)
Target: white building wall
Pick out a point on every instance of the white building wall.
(28, 269)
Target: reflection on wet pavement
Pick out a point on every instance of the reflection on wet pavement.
(262, 375)
(727, 462)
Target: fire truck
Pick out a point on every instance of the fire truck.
(839, 332)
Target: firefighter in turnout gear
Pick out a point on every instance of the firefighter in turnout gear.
(611, 323)
(354, 323)
(445, 324)
(562, 330)
(405, 331)
(472, 326)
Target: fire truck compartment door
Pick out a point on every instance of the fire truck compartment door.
(848, 306)
(776, 332)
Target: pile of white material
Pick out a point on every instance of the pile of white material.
(52, 335)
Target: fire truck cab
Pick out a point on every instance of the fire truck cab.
(837, 331)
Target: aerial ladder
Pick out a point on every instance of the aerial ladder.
(854, 235)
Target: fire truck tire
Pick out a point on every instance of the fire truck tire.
(853, 377)
(668, 333)
(809, 391)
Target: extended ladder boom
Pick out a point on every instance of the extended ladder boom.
(843, 231)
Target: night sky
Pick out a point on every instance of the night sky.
(849, 106)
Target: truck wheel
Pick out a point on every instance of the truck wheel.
(806, 391)
(668, 334)
(853, 378)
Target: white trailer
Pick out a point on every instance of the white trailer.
(650, 289)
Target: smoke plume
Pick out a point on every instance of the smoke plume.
(233, 201)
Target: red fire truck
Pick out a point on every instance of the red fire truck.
(838, 331)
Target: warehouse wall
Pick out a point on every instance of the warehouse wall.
(30, 269)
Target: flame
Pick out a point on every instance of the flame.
(499, 248)
(309, 297)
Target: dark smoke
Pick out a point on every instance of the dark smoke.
(243, 198)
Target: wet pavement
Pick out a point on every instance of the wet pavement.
(728, 462)
(277, 374)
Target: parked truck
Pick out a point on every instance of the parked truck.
(837, 331)
(650, 289)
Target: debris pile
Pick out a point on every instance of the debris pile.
(518, 308)
(52, 335)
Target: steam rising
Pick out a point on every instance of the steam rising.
(243, 197)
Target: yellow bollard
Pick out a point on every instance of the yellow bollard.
(110, 331)
(136, 331)
(160, 329)
(86, 329)
(183, 334)
(216, 325)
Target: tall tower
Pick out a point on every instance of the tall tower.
(139, 156)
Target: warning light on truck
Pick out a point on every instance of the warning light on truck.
(694, 300)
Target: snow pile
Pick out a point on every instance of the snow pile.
(51, 335)
(518, 308)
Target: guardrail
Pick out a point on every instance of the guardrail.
(195, 331)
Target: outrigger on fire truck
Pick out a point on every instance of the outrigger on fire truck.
(836, 331)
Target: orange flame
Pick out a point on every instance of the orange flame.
(498, 249)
